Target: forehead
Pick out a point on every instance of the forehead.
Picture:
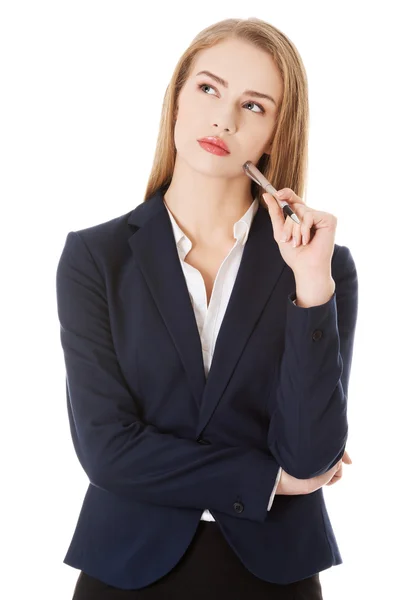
(240, 63)
(225, 49)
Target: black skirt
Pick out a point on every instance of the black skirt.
(209, 570)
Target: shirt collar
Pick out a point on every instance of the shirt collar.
(241, 228)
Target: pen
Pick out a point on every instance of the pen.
(256, 175)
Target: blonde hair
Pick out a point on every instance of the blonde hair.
(286, 165)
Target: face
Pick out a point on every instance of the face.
(244, 120)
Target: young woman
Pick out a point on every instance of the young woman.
(207, 359)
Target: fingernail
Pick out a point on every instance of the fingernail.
(280, 193)
(284, 238)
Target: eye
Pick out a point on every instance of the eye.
(258, 106)
(205, 85)
(261, 110)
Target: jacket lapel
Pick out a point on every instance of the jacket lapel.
(260, 268)
(154, 249)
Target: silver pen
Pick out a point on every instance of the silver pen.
(256, 175)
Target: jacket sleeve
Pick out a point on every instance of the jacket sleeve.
(308, 428)
(120, 453)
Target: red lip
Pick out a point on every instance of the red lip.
(216, 141)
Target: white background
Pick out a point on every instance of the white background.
(81, 92)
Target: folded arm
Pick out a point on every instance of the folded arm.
(120, 453)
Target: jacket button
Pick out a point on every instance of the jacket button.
(202, 441)
(238, 506)
(317, 335)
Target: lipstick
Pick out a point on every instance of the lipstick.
(215, 145)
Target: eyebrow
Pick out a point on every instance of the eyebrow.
(225, 84)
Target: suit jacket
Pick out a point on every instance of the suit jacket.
(159, 442)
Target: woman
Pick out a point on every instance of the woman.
(207, 359)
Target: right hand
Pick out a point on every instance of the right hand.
(290, 486)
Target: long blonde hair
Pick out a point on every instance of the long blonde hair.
(286, 165)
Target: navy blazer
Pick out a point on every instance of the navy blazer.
(159, 442)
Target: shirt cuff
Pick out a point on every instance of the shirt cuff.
(278, 478)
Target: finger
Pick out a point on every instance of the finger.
(292, 229)
(289, 195)
(346, 458)
(296, 203)
(306, 226)
(336, 477)
(276, 215)
(296, 235)
(299, 209)
(288, 229)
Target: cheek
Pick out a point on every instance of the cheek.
(183, 132)
(189, 116)
(189, 126)
(189, 105)
(257, 139)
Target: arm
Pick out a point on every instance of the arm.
(308, 428)
(120, 453)
(278, 487)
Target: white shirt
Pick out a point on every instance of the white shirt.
(209, 318)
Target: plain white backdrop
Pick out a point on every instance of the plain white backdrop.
(82, 84)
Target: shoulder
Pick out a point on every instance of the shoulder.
(344, 273)
(103, 233)
(342, 261)
(105, 243)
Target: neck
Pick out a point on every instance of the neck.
(205, 207)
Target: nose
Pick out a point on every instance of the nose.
(226, 123)
(229, 130)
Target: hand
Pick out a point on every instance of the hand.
(317, 229)
(338, 475)
(290, 486)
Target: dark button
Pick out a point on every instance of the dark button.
(238, 506)
(317, 335)
(202, 441)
